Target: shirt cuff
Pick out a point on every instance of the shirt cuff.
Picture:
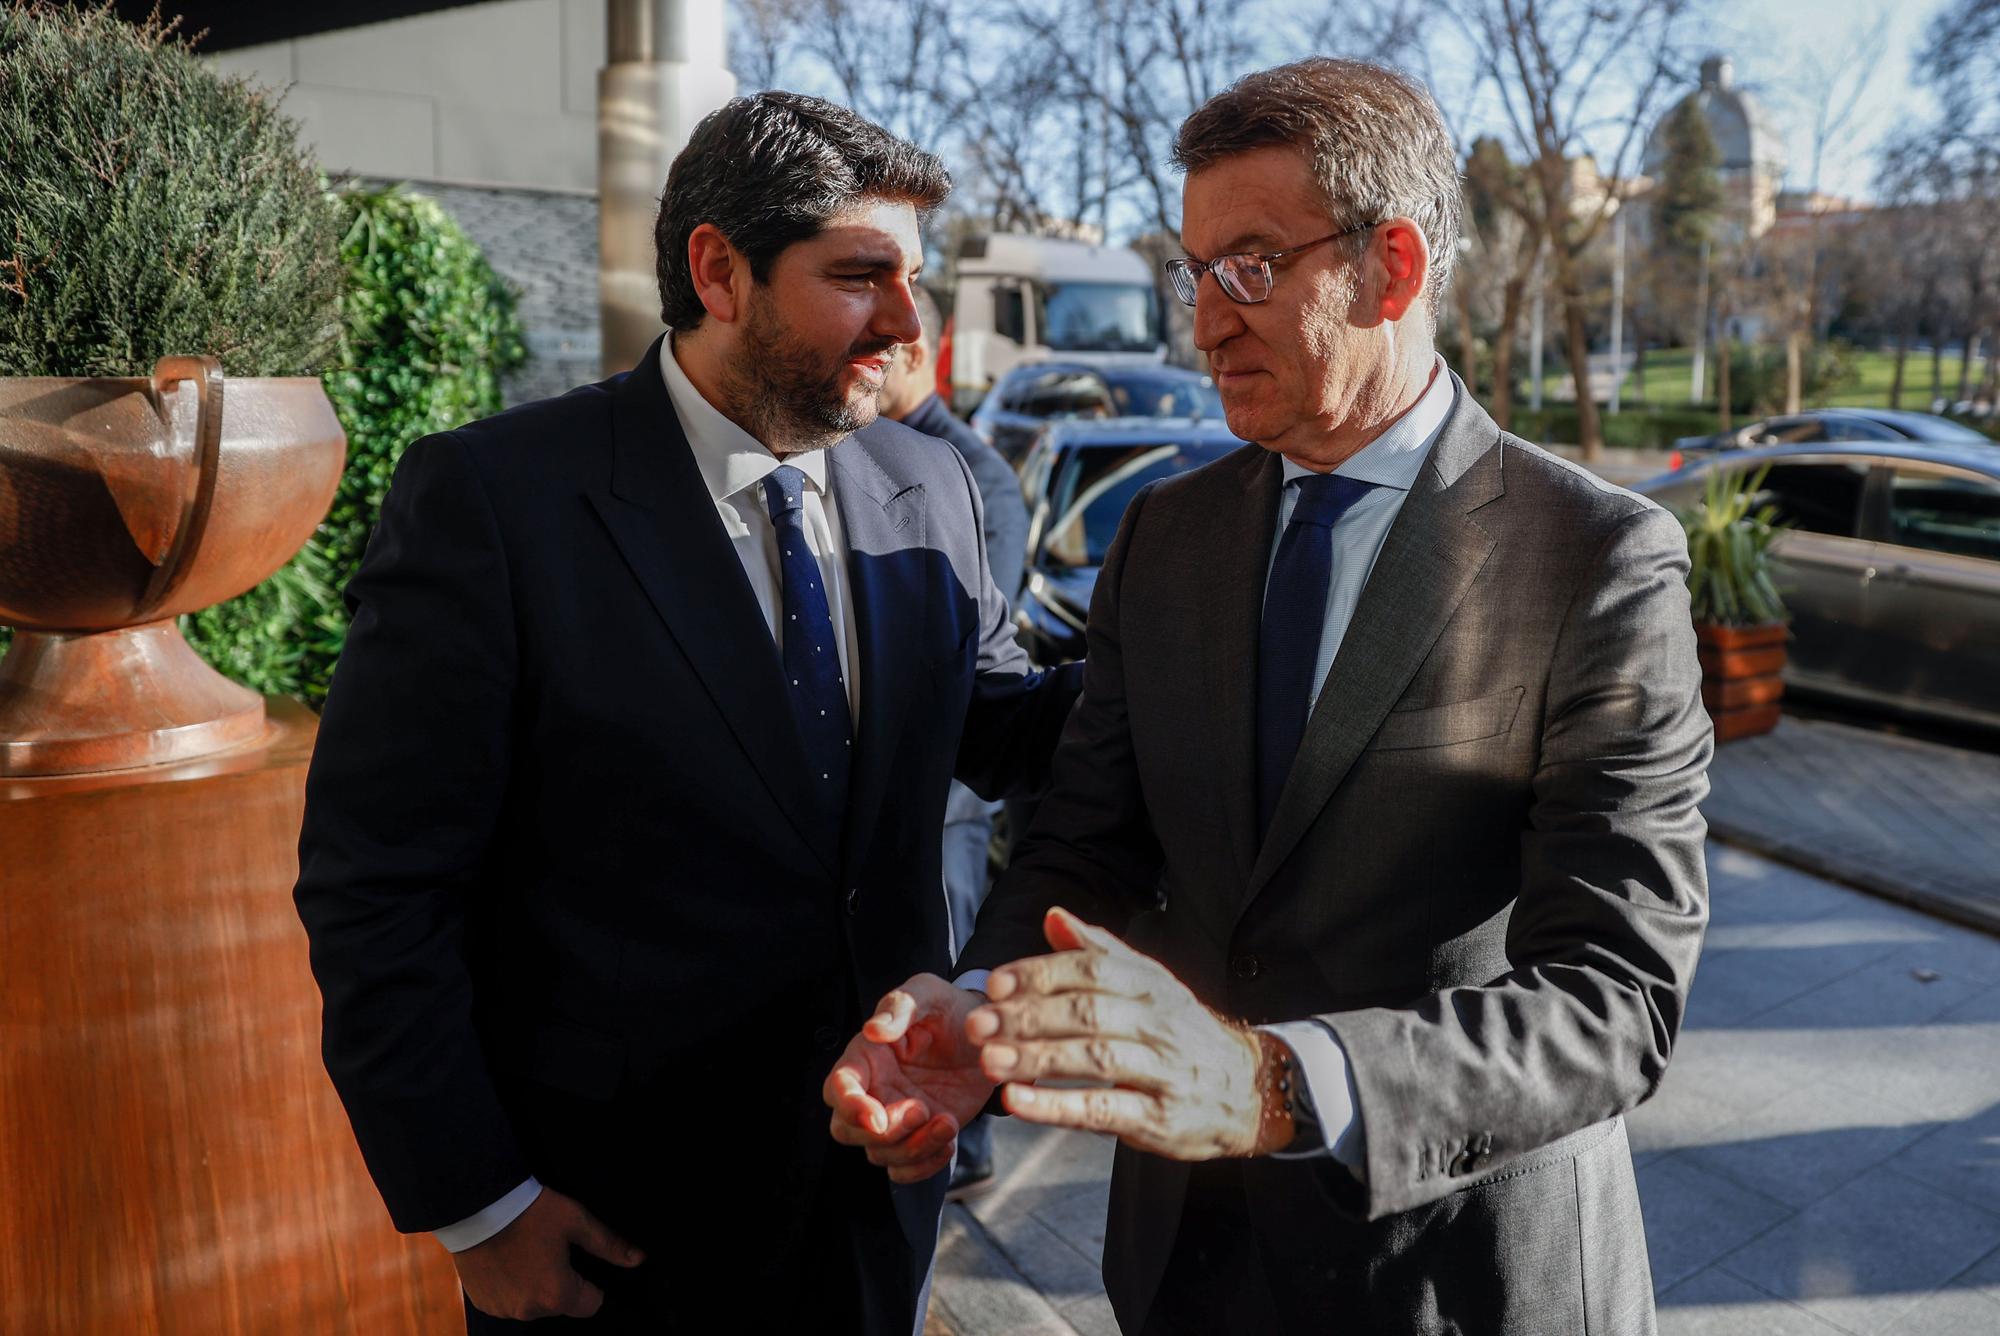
(480, 1226)
(973, 980)
(1327, 1084)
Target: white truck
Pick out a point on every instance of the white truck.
(1024, 298)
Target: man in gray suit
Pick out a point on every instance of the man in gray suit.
(1386, 774)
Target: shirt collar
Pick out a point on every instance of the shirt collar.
(1394, 458)
(730, 458)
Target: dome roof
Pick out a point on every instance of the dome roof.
(1744, 135)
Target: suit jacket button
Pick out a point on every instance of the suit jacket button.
(826, 1038)
(853, 900)
(1246, 967)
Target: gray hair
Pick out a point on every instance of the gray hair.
(1376, 140)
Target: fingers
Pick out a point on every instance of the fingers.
(1122, 1113)
(846, 1093)
(1113, 1061)
(892, 1017)
(1066, 932)
(594, 1237)
(1075, 1015)
(852, 1127)
(584, 1300)
(1128, 975)
(920, 1155)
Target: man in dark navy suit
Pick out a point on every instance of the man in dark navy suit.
(627, 795)
(909, 396)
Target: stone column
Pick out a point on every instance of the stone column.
(665, 68)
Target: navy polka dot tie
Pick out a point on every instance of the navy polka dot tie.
(1294, 620)
(811, 654)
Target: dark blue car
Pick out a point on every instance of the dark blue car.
(1078, 478)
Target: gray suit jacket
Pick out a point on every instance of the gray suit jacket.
(1485, 874)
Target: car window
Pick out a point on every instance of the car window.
(1789, 431)
(1945, 512)
(1859, 429)
(1066, 393)
(1095, 485)
(1816, 496)
(1165, 396)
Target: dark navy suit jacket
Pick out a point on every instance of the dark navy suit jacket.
(562, 914)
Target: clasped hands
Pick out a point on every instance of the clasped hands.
(1168, 1075)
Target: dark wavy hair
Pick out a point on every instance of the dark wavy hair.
(770, 170)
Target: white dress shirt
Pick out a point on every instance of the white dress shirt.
(1392, 462)
(733, 464)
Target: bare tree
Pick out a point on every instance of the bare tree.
(1555, 65)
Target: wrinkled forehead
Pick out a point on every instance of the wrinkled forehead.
(1263, 199)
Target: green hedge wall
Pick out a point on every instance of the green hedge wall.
(1652, 429)
(427, 331)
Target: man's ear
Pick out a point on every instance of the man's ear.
(721, 273)
(1404, 254)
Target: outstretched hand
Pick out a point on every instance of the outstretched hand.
(1175, 1079)
(910, 1080)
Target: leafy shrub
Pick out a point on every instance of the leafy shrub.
(1729, 564)
(1645, 429)
(1757, 376)
(427, 330)
(152, 207)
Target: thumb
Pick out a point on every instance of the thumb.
(590, 1234)
(1066, 932)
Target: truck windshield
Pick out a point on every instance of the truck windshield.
(1097, 317)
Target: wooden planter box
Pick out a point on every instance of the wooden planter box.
(1740, 677)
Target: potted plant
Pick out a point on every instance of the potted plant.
(1739, 618)
(170, 283)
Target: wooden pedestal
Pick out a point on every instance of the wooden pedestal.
(173, 1159)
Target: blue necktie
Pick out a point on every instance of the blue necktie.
(811, 653)
(1294, 618)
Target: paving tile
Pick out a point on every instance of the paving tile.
(1808, 1143)
(1715, 1303)
(1910, 817)
(1908, 986)
(1864, 1256)
(1046, 1260)
(1960, 1158)
(979, 1290)
(1749, 970)
(1092, 1317)
(1747, 888)
(1950, 1312)
(1078, 1219)
(1694, 1217)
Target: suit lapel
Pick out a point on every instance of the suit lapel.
(663, 521)
(1433, 553)
(1229, 629)
(883, 523)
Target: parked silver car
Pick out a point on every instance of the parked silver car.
(1890, 567)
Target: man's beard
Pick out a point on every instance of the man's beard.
(786, 393)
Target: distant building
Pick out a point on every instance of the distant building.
(1752, 153)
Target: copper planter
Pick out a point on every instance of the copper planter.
(1741, 676)
(123, 504)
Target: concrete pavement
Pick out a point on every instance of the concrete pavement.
(1824, 1156)
(1913, 820)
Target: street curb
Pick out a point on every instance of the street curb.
(1982, 915)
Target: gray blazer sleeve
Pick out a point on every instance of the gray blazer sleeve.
(1613, 902)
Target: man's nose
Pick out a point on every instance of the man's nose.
(896, 316)
(1216, 318)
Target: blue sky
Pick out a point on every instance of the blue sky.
(1783, 51)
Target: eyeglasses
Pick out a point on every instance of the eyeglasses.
(1243, 278)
